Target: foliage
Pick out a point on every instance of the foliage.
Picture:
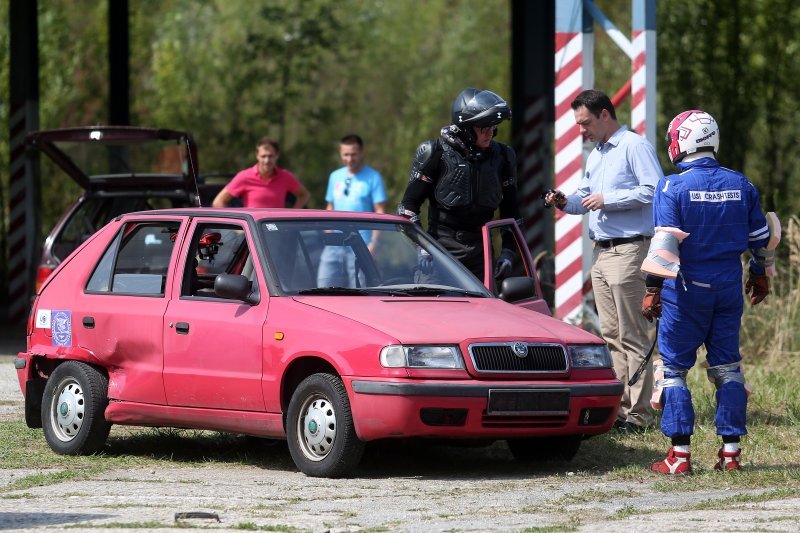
(306, 73)
(233, 71)
(735, 60)
(386, 70)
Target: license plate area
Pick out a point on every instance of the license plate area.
(528, 402)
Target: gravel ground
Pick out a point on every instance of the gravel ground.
(421, 488)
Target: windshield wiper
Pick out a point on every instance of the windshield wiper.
(419, 290)
(334, 291)
(422, 290)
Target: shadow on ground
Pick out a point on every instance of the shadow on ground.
(420, 458)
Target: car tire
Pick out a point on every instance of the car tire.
(543, 449)
(320, 432)
(73, 407)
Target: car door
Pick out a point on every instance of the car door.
(119, 314)
(522, 288)
(212, 345)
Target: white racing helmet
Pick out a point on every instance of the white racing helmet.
(692, 131)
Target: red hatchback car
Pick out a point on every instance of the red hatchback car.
(222, 319)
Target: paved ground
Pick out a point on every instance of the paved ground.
(399, 488)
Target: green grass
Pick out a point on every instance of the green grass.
(25, 448)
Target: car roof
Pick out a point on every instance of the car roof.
(259, 214)
(113, 158)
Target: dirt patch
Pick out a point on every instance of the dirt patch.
(399, 487)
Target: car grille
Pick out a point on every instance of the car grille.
(501, 357)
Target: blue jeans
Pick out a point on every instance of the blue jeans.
(337, 268)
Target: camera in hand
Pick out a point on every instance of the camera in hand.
(557, 198)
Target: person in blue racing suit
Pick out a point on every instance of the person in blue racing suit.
(706, 217)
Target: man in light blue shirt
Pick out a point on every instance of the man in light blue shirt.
(617, 192)
(354, 187)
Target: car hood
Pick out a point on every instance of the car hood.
(449, 320)
(117, 158)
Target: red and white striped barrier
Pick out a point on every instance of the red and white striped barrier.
(638, 84)
(569, 275)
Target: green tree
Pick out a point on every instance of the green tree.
(736, 61)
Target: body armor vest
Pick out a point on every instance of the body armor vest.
(473, 182)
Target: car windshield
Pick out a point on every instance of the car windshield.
(360, 257)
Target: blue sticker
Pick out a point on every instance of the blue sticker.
(61, 326)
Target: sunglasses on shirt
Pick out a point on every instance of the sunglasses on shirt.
(347, 186)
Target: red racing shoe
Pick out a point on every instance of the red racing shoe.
(728, 460)
(676, 463)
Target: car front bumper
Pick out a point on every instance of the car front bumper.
(503, 409)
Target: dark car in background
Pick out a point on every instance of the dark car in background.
(121, 169)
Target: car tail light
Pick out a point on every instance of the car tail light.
(42, 273)
(29, 330)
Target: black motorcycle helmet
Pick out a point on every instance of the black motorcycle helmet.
(475, 107)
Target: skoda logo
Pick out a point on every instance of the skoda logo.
(520, 349)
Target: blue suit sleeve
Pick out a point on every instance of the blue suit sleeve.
(759, 231)
(666, 205)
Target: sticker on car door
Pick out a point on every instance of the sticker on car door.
(61, 327)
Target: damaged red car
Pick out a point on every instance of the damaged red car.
(328, 329)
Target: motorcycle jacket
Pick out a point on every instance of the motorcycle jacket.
(464, 186)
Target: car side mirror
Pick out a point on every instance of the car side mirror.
(235, 287)
(517, 288)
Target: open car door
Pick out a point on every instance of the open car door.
(520, 286)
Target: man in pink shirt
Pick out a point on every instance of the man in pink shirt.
(265, 184)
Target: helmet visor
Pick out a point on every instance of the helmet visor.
(486, 109)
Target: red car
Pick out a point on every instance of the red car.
(222, 319)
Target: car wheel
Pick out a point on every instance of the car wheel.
(545, 448)
(73, 406)
(320, 431)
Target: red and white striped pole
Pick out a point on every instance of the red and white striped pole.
(643, 71)
(569, 82)
(574, 63)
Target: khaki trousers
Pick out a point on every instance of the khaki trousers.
(618, 286)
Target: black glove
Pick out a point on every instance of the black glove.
(424, 262)
(757, 287)
(502, 267)
(651, 303)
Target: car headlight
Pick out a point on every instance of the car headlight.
(589, 356)
(399, 356)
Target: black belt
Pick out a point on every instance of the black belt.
(608, 243)
(459, 235)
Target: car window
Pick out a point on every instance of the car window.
(137, 261)
(333, 256)
(95, 212)
(216, 249)
(503, 238)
